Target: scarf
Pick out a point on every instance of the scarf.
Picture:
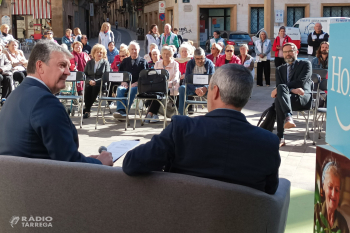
(182, 60)
(105, 38)
(4, 34)
(80, 61)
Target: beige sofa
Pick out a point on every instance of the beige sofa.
(78, 197)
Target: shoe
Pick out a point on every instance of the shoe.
(155, 118)
(86, 115)
(147, 116)
(267, 85)
(119, 114)
(282, 142)
(190, 112)
(289, 123)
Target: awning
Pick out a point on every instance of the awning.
(40, 9)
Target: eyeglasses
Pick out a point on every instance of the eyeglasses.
(290, 51)
(230, 51)
(121, 56)
(213, 48)
(49, 33)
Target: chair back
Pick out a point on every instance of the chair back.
(323, 85)
(76, 76)
(316, 79)
(321, 72)
(198, 79)
(122, 76)
(151, 81)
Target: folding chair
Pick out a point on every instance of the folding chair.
(70, 95)
(322, 72)
(152, 85)
(112, 78)
(320, 111)
(195, 79)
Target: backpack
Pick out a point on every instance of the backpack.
(270, 118)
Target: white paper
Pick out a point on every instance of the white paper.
(310, 49)
(72, 76)
(263, 59)
(200, 79)
(116, 77)
(118, 149)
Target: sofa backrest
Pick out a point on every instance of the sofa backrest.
(83, 197)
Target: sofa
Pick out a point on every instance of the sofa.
(39, 195)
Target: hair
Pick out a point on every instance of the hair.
(245, 46)
(230, 45)
(168, 48)
(4, 26)
(235, 84)
(12, 41)
(190, 42)
(154, 44)
(151, 28)
(104, 25)
(188, 47)
(199, 52)
(84, 36)
(168, 26)
(124, 48)
(319, 24)
(318, 52)
(68, 30)
(64, 46)
(155, 50)
(77, 31)
(111, 43)
(330, 165)
(98, 47)
(134, 43)
(173, 48)
(294, 47)
(221, 44)
(77, 42)
(263, 32)
(42, 52)
(175, 30)
(282, 27)
(217, 32)
(217, 46)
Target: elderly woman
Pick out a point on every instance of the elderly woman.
(215, 52)
(172, 67)
(5, 75)
(5, 37)
(68, 39)
(106, 35)
(185, 51)
(148, 56)
(263, 56)
(155, 57)
(77, 34)
(326, 213)
(229, 57)
(277, 46)
(18, 61)
(80, 58)
(49, 36)
(246, 59)
(123, 53)
(94, 70)
(112, 51)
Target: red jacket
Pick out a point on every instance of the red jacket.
(221, 60)
(116, 63)
(211, 57)
(79, 61)
(277, 42)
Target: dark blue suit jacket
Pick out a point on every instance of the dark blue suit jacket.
(221, 145)
(35, 124)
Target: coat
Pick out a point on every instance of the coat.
(221, 60)
(277, 42)
(102, 67)
(174, 75)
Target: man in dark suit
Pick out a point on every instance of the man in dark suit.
(34, 122)
(293, 89)
(133, 64)
(221, 145)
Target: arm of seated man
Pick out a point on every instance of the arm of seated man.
(201, 91)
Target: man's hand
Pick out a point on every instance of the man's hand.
(124, 84)
(106, 158)
(134, 84)
(274, 93)
(94, 156)
(92, 83)
(261, 55)
(278, 47)
(182, 76)
(201, 91)
(1, 71)
(298, 91)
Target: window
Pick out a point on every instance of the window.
(294, 14)
(240, 37)
(336, 11)
(256, 19)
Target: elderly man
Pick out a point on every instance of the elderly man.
(216, 39)
(37, 124)
(221, 145)
(293, 89)
(321, 59)
(315, 38)
(133, 64)
(199, 65)
(86, 46)
(168, 38)
(5, 75)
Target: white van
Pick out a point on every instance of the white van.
(306, 25)
(292, 32)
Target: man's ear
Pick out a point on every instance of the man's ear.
(216, 92)
(39, 65)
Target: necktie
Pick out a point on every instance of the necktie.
(289, 73)
(132, 62)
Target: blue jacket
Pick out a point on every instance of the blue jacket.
(36, 125)
(111, 55)
(68, 42)
(221, 145)
(208, 64)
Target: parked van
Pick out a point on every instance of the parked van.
(306, 25)
(292, 32)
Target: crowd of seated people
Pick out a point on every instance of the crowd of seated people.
(18, 61)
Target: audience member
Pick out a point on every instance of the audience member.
(152, 38)
(18, 61)
(5, 75)
(94, 70)
(155, 57)
(179, 37)
(123, 53)
(172, 67)
(293, 92)
(80, 58)
(49, 36)
(106, 35)
(216, 39)
(229, 57)
(133, 64)
(222, 46)
(39, 126)
(186, 146)
(321, 59)
(185, 50)
(246, 59)
(68, 39)
(199, 65)
(112, 51)
(278, 43)
(168, 38)
(148, 56)
(215, 52)
(86, 46)
(77, 34)
(263, 56)
(5, 37)
(315, 38)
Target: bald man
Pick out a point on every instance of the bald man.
(315, 38)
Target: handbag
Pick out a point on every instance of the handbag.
(152, 82)
(170, 110)
(270, 118)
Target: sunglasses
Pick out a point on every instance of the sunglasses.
(213, 48)
(230, 51)
(49, 33)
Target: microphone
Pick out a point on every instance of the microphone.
(102, 148)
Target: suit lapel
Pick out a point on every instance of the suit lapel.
(296, 64)
(284, 73)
